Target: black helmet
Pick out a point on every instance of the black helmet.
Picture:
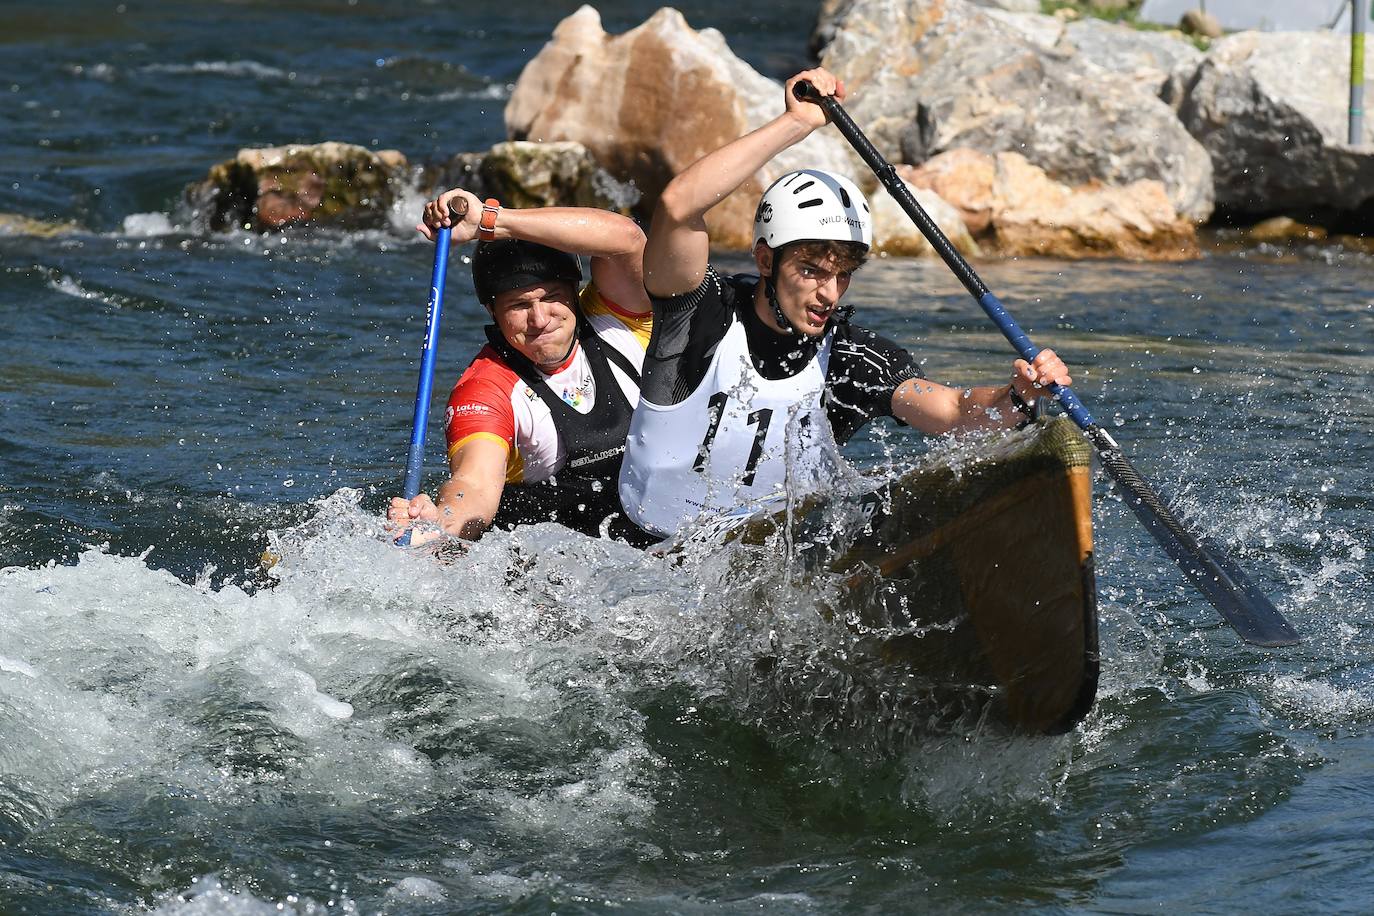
(513, 263)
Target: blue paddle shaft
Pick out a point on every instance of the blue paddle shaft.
(416, 459)
(1012, 331)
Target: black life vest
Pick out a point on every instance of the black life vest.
(584, 494)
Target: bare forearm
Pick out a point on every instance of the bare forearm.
(582, 230)
(465, 508)
(936, 409)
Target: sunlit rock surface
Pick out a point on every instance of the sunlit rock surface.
(650, 102)
(1016, 209)
(895, 233)
(19, 224)
(1271, 109)
(337, 184)
(1144, 56)
(524, 174)
(926, 76)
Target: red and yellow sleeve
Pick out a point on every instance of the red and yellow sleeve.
(479, 407)
(594, 303)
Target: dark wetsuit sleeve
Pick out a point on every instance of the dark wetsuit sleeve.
(865, 370)
(687, 329)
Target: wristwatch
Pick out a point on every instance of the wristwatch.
(486, 226)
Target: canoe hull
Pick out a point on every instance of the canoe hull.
(975, 583)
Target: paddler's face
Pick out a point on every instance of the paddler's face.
(537, 320)
(809, 288)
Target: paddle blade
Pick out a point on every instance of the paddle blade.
(1225, 585)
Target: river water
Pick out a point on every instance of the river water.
(553, 723)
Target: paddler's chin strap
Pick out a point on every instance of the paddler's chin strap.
(771, 291)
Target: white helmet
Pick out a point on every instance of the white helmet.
(812, 205)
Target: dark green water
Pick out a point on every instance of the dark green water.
(381, 733)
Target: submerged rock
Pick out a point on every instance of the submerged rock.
(1019, 210)
(650, 102)
(336, 184)
(926, 76)
(15, 224)
(1270, 108)
(1284, 229)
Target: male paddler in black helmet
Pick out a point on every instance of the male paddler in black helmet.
(748, 377)
(536, 424)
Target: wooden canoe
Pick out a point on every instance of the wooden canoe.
(975, 580)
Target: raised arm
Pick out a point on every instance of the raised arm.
(676, 254)
(613, 243)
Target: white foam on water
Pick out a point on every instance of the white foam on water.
(312, 683)
(407, 207)
(148, 225)
(15, 666)
(244, 68)
(66, 285)
(415, 888)
(208, 896)
(495, 91)
(1317, 702)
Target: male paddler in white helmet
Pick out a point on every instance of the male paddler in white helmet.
(746, 377)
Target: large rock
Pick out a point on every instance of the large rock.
(334, 184)
(1040, 30)
(1020, 211)
(524, 174)
(895, 233)
(652, 101)
(1270, 108)
(1148, 57)
(925, 76)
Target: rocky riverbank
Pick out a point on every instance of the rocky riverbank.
(1021, 133)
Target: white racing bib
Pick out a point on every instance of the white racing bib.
(733, 445)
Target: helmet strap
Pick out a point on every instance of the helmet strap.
(771, 292)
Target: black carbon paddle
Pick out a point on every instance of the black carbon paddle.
(1225, 585)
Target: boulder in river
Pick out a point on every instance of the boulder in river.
(1016, 209)
(925, 76)
(523, 174)
(334, 184)
(650, 102)
(1270, 108)
(895, 233)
